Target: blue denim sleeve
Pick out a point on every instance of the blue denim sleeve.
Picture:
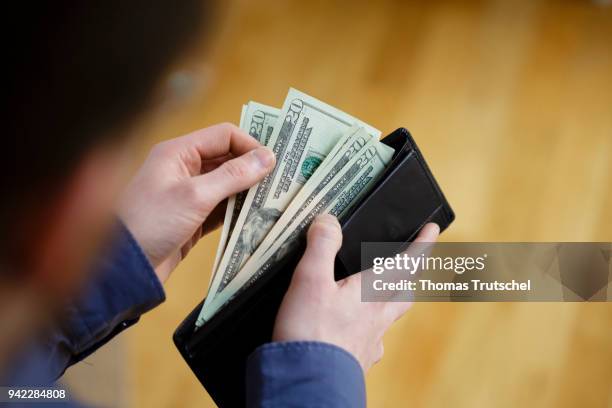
(123, 287)
(304, 374)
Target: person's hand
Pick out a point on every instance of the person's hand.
(317, 308)
(174, 198)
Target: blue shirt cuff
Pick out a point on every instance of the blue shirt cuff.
(123, 287)
(304, 374)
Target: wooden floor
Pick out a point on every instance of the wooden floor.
(511, 103)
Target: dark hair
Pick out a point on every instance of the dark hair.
(78, 70)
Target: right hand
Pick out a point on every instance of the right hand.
(179, 193)
(317, 308)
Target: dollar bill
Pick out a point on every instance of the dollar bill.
(343, 190)
(346, 189)
(258, 120)
(301, 140)
(304, 135)
(356, 139)
(242, 113)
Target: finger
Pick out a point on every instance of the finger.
(324, 241)
(219, 140)
(424, 242)
(429, 233)
(232, 177)
(422, 245)
(393, 311)
(395, 305)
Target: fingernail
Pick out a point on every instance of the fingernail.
(328, 219)
(436, 227)
(326, 227)
(264, 157)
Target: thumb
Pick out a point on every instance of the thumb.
(324, 241)
(234, 176)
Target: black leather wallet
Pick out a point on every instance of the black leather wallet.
(405, 198)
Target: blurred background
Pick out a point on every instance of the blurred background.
(511, 104)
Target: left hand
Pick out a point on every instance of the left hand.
(174, 198)
(317, 308)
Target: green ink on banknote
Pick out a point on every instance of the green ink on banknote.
(309, 166)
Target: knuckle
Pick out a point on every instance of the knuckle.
(193, 194)
(235, 169)
(312, 278)
(227, 127)
(190, 192)
(311, 286)
(303, 271)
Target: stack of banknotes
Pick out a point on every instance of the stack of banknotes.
(326, 160)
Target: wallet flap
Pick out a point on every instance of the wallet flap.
(408, 195)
